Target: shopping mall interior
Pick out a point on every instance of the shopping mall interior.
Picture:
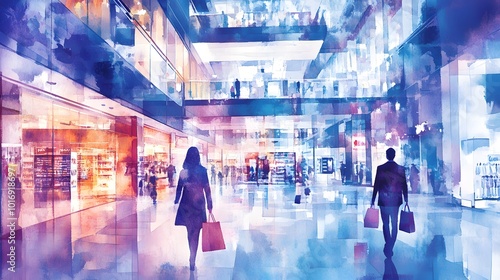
(291, 104)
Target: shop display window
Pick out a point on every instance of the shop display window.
(62, 156)
(272, 167)
(283, 167)
(479, 132)
(156, 158)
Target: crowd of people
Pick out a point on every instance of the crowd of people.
(149, 182)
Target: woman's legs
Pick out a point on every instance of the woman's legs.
(193, 239)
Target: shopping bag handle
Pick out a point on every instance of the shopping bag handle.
(406, 206)
(211, 217)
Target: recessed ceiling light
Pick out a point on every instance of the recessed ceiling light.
(103, 104)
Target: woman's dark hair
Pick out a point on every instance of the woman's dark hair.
(192, 158)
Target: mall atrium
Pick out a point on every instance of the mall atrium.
(292, 105)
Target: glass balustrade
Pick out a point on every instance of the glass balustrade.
(256, 89)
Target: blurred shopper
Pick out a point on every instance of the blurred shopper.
(435, 179)
(232, 92)
(361, 173)
(226, 174)
(212, 174)
(237, 87)
(233, 176)
(265, 169)
(414, 178)
(152, 186)
(343, 172)
(304, 172)
(390, 184)
(170, 174)
(221, 178)
(225, 20)
(193, 191)
(257, 169)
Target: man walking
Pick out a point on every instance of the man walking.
(343, 172)
(390, 184)
(237, 87)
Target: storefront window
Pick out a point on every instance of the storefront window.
(478, 89)
(156, 159)
(63, 157)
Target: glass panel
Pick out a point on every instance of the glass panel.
(141, 12)
(159, 28)
(186, 71)
(124, 36)
(171, 42)
(179, 55)
(142, 54)
(12, 161)
(159, 71)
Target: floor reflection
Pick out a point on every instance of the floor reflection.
(390, 271)
(267, 236)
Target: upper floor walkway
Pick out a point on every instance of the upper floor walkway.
(281, 106)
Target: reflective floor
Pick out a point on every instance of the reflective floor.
(267, 236)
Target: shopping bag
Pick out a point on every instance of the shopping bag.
(297, 199)
(211, 237)
(407, 221)
(371, 218)
(360, 252)
(307, 191)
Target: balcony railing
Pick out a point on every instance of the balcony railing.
(257, 89)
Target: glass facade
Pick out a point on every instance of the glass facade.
(64, 157)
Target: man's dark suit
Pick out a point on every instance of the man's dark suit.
(390, 184)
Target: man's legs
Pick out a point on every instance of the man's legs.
(385, 223)
(389, 213)
(393, 213)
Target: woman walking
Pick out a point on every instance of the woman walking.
(193, 191)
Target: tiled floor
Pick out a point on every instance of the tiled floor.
(267, 237)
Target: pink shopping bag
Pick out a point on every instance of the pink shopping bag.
(371, 218)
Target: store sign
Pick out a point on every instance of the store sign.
(358, 142)
(494, 158)
(74, 171)
(43, 151)
(65, 151)
(327, 166)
